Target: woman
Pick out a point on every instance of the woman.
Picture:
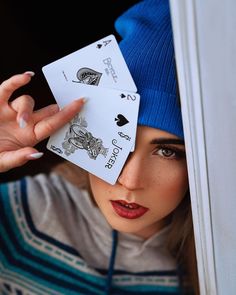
(133, 237)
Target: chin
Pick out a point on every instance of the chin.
(125, 226)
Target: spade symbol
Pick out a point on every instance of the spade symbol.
(99, 46)
(122, 95)
(88, 76)
(121, 120)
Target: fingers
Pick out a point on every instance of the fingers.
(10, 85)
(45, 128)
(24, 106)
(13, 159)
(45, 112)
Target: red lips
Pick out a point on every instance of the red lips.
(128, 210)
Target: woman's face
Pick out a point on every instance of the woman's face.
(152, 183)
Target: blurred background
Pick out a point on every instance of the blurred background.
(35, 33)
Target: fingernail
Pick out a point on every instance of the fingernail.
(22, 123)
(24, 117)
(30, 73)
(84, 99)
(36, 155)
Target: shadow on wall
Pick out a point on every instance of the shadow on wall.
(34, 33)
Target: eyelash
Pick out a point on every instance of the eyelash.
(176, 153)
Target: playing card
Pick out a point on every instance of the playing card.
(100, 137)
(100, 63)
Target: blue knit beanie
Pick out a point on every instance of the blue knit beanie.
(147, 46)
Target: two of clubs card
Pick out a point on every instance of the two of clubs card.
(101, 136)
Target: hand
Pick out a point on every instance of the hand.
(21, 128)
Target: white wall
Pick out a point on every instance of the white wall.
(205, 43)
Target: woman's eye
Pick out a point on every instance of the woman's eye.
(167, 153)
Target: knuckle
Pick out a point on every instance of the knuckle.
(44, 129)
(6, 87)
(49, 126)
(23, 101)
(9, 84)
(27, 99)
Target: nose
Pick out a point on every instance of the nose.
(131, 174)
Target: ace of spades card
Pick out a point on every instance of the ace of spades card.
(100, 63)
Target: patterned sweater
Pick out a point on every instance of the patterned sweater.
(53, 240)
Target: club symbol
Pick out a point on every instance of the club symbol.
(122, 95)
(99, 46)
(121, 120)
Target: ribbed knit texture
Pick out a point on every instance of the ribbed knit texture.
(147, 46)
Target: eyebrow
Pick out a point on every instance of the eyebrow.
(167, 141)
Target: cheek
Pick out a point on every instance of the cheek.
(100, 189)
(178, 183)
(178, 187)
(167, 193)
(95, 184)
(171, 184)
